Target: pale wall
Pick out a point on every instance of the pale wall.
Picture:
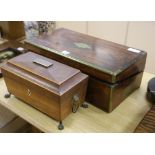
(76, 26)
(113, 31)
(140, 35)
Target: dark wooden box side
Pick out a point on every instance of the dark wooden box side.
(58, 106)
(109, 96)
(135, 68)
(67, 98)
(48, 103)
(123, 89)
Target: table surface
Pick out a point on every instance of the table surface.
(124, 118)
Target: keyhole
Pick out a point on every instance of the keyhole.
(28, 92)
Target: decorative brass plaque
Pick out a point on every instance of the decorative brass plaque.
(82, 45)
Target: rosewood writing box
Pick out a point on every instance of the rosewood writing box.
(115, 70)
(53, 88)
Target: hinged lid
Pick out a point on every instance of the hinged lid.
(43, 71)
(109, 61)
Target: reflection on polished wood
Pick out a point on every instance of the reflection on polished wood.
(124, 118)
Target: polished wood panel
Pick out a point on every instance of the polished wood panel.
(45, 88)
(57, 73)
(112, 94)
(124, 118)
(111, 62)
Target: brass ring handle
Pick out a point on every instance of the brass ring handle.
(76, 102)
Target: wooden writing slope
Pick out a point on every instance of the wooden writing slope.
(123, 119)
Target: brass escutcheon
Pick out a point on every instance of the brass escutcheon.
(28, 92)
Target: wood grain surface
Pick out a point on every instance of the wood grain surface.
(44, 88)
(105, 60)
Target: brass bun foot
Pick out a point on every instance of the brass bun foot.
(8, 95)
(60, 126)
(84, 105)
